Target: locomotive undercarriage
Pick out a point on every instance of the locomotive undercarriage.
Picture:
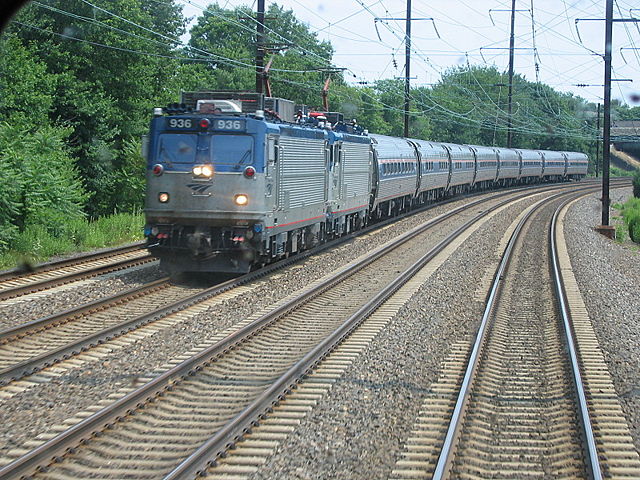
(189, 248)
(192, 248)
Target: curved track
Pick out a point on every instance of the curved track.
(522, 409)
(152, 430)
(26, 349)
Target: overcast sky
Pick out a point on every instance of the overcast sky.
(477, 32)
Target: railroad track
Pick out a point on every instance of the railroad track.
(210, 400)
(27, 349)
(522, 407)
(15, 283)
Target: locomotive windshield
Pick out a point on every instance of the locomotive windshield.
(177, 148)
(232, 150)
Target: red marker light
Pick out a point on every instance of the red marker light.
(157, 169)
(204, 123)
(249, 172)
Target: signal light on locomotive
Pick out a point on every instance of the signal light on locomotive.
(157, 169)
(163, 197)
(241, 199)
(204, 123)
(249, 172)
(205, 171)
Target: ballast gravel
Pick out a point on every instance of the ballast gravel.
(23, 309)
(608, 274)
(359, 428)
(36, 410)
(366, 417)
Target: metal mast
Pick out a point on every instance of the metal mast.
(606, 134)
(407, 69)
(510, 97)
(260, 46)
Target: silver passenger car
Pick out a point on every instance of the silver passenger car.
(397, 173)
(486, 165)
(555, 165)
(435, 168)
(463, 167)
(510, 165)
(531, 165)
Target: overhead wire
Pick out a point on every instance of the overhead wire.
(445, 110)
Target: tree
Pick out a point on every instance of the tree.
(112, 61)
(39, 181)
(231, 36)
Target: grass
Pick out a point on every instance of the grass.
(38, 244)
(631, 215)
(619, 172)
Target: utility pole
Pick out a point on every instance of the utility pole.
(407, 68)
(608, 40)
(407, 64)
(598, 142)
(510, 96)
(260, 46)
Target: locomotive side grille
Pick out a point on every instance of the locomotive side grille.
(301, 172)
(356, 168)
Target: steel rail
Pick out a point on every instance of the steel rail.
(31, 366)
(34, 364)
(59, 445)
(91, 307)
(72, 277)
(448, 448)
(64, 442)
(67, 262)
(195, 464)
(208, 453)
(583, 408)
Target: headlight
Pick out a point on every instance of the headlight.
(241, 199)
(163, 197)
(204, 171)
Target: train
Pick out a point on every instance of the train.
(237, 180)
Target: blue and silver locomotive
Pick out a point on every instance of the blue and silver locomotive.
(235, 180)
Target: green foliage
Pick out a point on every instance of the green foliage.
(470, 105)
(619, 172)
(636, 184)
(621, 232)
(37, 243)
(102, 77)
(631, 215)
(39, 181)
(32, 96)
(231, 35)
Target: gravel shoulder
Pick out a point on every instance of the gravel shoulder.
(608, 274)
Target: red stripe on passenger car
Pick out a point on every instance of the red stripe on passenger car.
(297, 221)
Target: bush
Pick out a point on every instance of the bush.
(619, 172)
(636, 184)
(631, 215)
(634, 229)
(38, 180)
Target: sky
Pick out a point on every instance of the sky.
(568, 55)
